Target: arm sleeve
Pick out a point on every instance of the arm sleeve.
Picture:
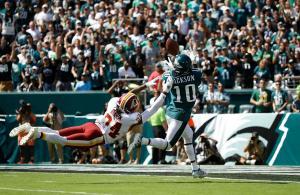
(154, 107)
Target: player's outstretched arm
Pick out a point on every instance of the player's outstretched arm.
(153, 108)
(144, 86)
(166, 87)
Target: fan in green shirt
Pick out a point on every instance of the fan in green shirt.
(280, 98)
(261, 98)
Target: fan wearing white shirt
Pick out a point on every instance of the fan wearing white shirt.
(182, 24)
(126, 71)
(34, 32)
(43, 16)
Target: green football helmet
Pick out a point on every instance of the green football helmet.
(182, 64)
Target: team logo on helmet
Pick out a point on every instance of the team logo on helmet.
(182, 63)
(129, 102)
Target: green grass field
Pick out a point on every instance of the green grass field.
(88, 184)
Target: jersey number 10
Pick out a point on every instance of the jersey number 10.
(190, 97)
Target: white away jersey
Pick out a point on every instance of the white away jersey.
(114, 124)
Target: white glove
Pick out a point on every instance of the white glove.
(169, 63)
(167, 85)
(152, 82)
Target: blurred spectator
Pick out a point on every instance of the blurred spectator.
(296, 103)
(97, 77)
(5, 74)
(8, 23)
(64, 75)
(159, 125)
(222, 100)
(34, 83)
(207, 151)
(34, 32)
(23, 15)
(225, 74)
(281, 58)
(25, 115)
(21, 37)
(78, 66)
(156, 73)
(254, 152)
(211, 21)
(111, 67)
(118, 88)
(280, 98)
(84, 84)
(151, 53)
(182, 24)
(240, 15)
(54, 119)
(248, 65)
(137, 61)
(261, 72)
(24, 86)
(289, 73)
(46, 75)
(209, 98)
(126, 71)
(43, 16)
(261, 98)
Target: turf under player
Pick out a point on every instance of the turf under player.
(120, 117)
(179, 103)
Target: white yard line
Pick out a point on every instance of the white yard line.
(251, 180)
(48, 191)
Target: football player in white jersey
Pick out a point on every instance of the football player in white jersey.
(120, 117)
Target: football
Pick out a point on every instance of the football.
(172, 47)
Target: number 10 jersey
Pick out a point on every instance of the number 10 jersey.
(182, 97)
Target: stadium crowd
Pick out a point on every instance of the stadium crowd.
(50, 45)
(74, 45)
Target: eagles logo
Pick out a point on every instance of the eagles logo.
(235, 135)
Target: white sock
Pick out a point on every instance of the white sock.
(53, 138)
(155, 142)
(190, 151)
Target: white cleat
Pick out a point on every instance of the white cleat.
(137, 140)
(32, 134)
(20, 129)
(199, 173)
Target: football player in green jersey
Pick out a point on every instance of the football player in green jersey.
(179, 102)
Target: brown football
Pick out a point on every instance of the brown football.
(172, 47)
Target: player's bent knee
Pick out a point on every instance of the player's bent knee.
(168, 146)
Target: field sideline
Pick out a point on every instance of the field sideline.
(123, 179)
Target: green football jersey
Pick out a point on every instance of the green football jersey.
(181, 99)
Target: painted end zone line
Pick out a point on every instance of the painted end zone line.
(48, 191)
(250, 180)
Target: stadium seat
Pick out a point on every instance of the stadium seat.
(246, 108)
(231, 108)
